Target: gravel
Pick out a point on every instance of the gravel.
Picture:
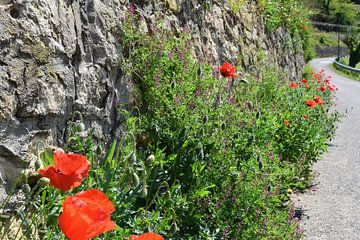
(331, 209)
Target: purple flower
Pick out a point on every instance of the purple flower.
(132, 8)
(216, 72)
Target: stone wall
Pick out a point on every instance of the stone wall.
(57, 57)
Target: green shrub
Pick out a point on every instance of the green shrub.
(226, 152)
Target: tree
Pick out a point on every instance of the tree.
(352, 40)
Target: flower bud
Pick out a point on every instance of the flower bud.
(144, 192)
(258, 114)
(173, 228)
(261, 164)
(26, 188)
(81, 127)
(150, 159)
(167, 195)
(43, 182)
(135, 181)
(132, 158)
(38, 164)
(205, 119)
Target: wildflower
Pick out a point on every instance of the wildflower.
(293, 85)
(310, 103)
(305, 27)
(318, 100)
(306, 85)
(322, 88)
(132, 9)
(147, 236)
(306, 116)
(86, 215)
(286, 122)
(228, 70)
(304, 81)
(68, 171)
(330, 88)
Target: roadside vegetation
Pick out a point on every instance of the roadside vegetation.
(208, 152)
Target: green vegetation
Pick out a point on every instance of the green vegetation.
(345, 73)
(326, 39)
(294, 16)
(345, 61)
(343, 12)
(227, 152)
(353, 42)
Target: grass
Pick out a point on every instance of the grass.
(345, 61)
(326, 39)
(345, 73)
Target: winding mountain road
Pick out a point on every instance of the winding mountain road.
(332, 212)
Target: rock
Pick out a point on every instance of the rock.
(57, 57)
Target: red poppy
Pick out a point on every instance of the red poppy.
(330, 88)
(318, 100)
(293, 85)
(306, 116)
(86, 215)
(310, 103)
(147, 236)
(286, 122)
(228, 70)
(68, 171)
(306, 85)
(304, 81)
(322, 88)
(304, 27)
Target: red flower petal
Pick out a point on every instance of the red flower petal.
(81, 220)
(68, 171)
(69, 163)
(59, 180)
(293, 85)
(228, 70)
(147, 236)
(310, 103)
(96, 197)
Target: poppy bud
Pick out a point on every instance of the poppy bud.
(173, 228)
(81, 127)
(144, 192)
(98, 150)
(135, 180)
(132, 158)
(205, 119)
(258, 114)
(261, 164)
(26, 188)
(150, 159)
(43, 182)
(38, 164)
(167, 195)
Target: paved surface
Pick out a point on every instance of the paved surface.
(332, 212)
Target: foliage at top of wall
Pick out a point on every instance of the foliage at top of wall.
(291, 14)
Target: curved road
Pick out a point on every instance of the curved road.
(332, 212)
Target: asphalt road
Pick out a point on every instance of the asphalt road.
(331, 210)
